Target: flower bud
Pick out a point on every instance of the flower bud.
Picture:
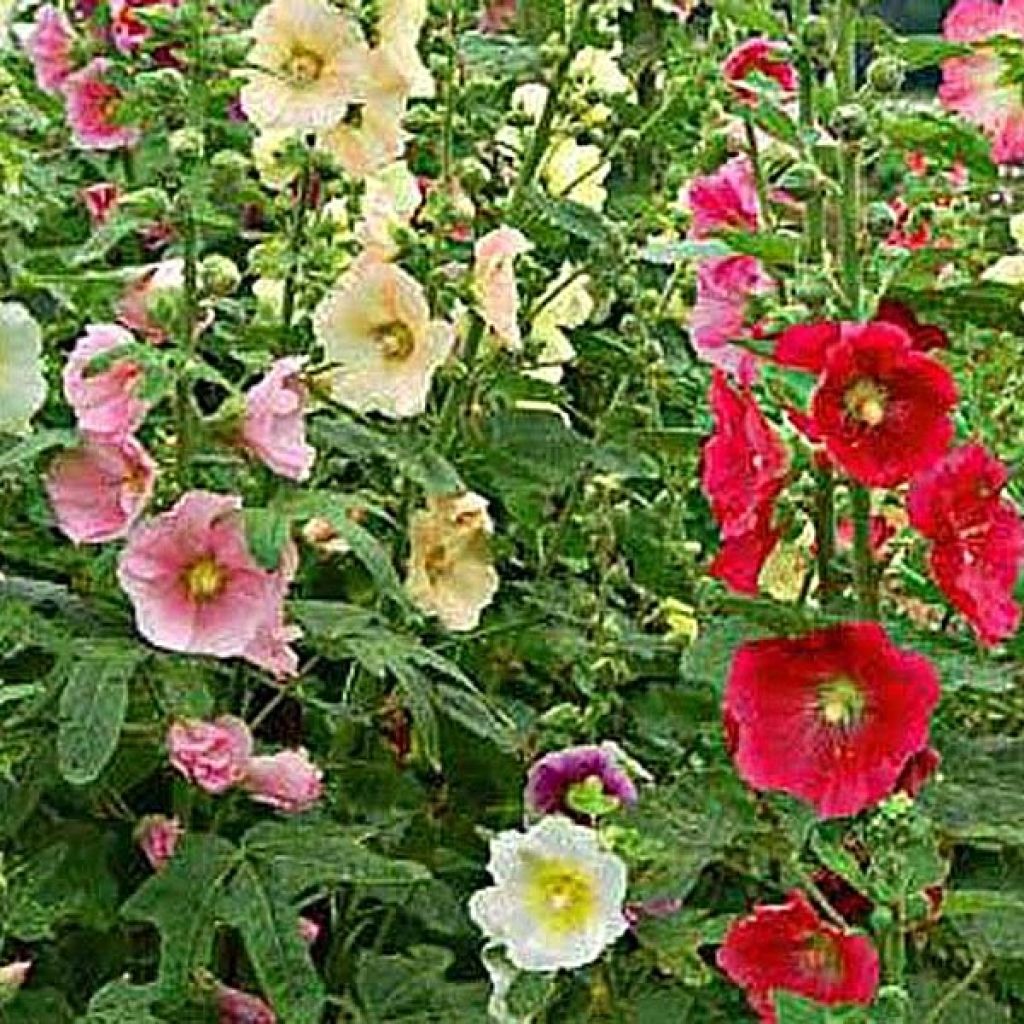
(218, 275)
(886, 74)
(815, 33)
(849, 122)
(187, 143)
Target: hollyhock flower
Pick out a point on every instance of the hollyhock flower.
(831, 717)
(552, 777)
(981, 86)
(903, 235)
(565, 305)
(161, 283)
(881, 408)
(880, 531)
(158, 837)
(725, 285)
(92, 104)
(977, 538)
(851, 904)
(725, 199)
(742, 558)
(376, 324)
(576, 172)
(14, 975)
(306, 66)
(274, 427)
(287, 781)
(127, 29)
(918, 771)
(99, 489)
(399, 25)
(212, 755)
(390, 201)
(923, 337)
(764, 57)
(789, 948)
(105, 401)
(101, 201)
(494, 282)
(270, 647)
(22, 382)
(917, 163)
(309, 930)
(237, 1007)
(557, 898)
(451, 570)
(51, 48)
(497, 16)
(194, 585)
(658, 907)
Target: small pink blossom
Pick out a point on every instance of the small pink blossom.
(158, 838)
(237, 1007)
(765, 57)
(101, 201)
(494, 280)
(274, 428)
(193, 582)
(212, 755)
(309, 930)
(726, 199)
(51, 46)
(129, 31)
(105, 401)
(287, 780)
(99, 489)
(135, 307)
(92, 104)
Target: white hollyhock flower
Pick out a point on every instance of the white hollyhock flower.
(557, 898)
(390, 201)
(398, 29)
(22, 384)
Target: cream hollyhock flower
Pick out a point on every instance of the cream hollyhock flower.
(557, 898)
(376, 324)
(267, 149)
(399, 28)
(22, 384)
(1006, 270)
(576, 172)
(306, 66)
(494, 282)
(451, 571)
(390, 201)
(564, 306)
(599, 70)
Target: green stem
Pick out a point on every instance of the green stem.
(814, 224)
(938, 1011)
(864, 562)
(825, 532)
(754, 153)
(849, 170)
(295, 240)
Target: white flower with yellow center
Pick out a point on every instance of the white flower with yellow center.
(557, 898)
(390, 201)
(375, 324)
(451, 570)
(306, 66)
(576, 172)
(565, 305)
(22, 384)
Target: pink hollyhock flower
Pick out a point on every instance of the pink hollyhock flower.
(977, 538)
(550, 779)
(135, 307)
(494, 281)
(881, 408)
(981, 86)
(725, 286)
(237, 1007)
(917, 163)
(831, 717)
(309, 930)
(497, 16)
(288, 781)
(215, 755)
(193, 582)
(101, 201)
(725, 199)
(158, 838)
(270, 647)
(128, 30)
(789, 948)
(105, 401)
(274, 428)
(99, 489)
(764, 57)
(51, 47)
(92, 104)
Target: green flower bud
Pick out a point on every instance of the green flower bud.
(849, 122)
(218, 275)
(815, 33)
(187, 143)
(886, 74)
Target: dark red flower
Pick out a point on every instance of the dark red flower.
(881, 408)
(789, 948)
(918, 770)
(847, 901)
(831, 717)
(763, 57)
(923, 337)
(742, 556)
(977, 538)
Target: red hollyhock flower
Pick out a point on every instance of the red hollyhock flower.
(881, 408)
(763, 57)
(831, 717)
(741, 558)
(977, 535)
(923, 337)
(789, 948)
(918, 771)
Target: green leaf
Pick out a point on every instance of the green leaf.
(497, 56)
(92, 709)
(121, 1002)
(28, 449)
(756, 15)
(772, 249)
(992, 921)
(569, 216)
(267, 531)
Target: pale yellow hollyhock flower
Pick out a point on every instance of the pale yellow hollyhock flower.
(451, 571)
(1006, 270)
(494, 282)
(390, 201)
(562, 307)
(306, 66)
(576, 172)
(22, 384)
(269, 294)
(1017, 229)
(375, 323)
(398, 29)
(782, 575)
(599, 70)
(267, 149)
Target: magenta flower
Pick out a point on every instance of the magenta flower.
(193, 582)
(274, 428)
(106, 401)
(92, 106)
(726, 199)
(288, 781)
(237, 1007)
(50, 46)
(550, 779)
(212, 755)
(158, 837)
(765, 57)
(99, 489)
(101, 201)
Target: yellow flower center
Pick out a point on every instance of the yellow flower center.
(204, 579)
(821, 957)
(304, 66)
(437, 562)
(841, 702)
(395, 339)
(865, 401)
(560, 895)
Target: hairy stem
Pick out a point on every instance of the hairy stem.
(295, 239)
